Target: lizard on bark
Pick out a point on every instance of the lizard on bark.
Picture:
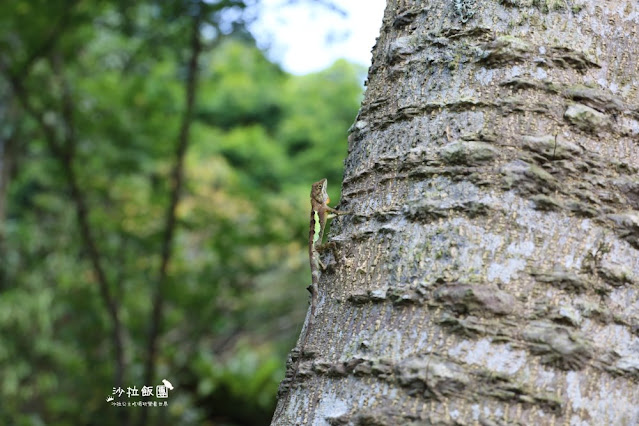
(320, 212)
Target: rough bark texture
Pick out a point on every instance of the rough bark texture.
(490, 273)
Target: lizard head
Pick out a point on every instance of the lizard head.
(318, 192)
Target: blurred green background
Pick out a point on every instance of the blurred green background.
(95, 125)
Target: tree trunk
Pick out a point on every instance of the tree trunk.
(490, 272)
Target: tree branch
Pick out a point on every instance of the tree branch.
(67, 158)
(64, 151)
(50, 40)
(177, 180)
(8, 155)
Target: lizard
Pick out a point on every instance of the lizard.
(320, 213)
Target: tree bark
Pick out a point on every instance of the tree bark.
(490, 271)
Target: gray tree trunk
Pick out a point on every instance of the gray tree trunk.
(490, 273)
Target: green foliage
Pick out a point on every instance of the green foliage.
(110, 77)
(318, 109)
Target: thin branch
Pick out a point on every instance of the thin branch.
(82, 212)
(21, 93)
(49, 42)
(64, 151)
(177, 181)
(8, 154)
